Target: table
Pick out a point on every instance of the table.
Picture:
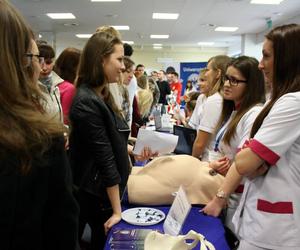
(210, 227)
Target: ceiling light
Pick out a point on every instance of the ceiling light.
(106, 0)
(226, 29)
(165, 15)
(120, 27)
(159, 36)
(157, 47)
(61, 15)
(206, 43)
(157, 44)
(129, 42)
(266, 1)
(84, 35)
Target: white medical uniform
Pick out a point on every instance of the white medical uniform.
(212, 109)
(196, 117)
(268, 215)
(242, 134)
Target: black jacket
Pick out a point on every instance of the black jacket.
(38, 211)
(98, 145)
(165, 90)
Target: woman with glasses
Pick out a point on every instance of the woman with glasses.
(243, 94)
(37, 211)
(268, 216)
(204, 142)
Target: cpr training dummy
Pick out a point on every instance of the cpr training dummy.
(156, 183)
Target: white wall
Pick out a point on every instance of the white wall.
(160, 59)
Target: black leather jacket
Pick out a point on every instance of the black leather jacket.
(98, 145)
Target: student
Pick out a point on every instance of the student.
(66, 67)
(204, 142)
(38, 211)
(244, 95)
(98, 139)
(50, 80)
(268, 216)
(195, 119)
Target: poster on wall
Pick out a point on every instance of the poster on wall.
(190, 72)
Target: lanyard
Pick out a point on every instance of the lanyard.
(219, 136)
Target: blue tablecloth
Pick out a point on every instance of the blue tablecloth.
(210, 227)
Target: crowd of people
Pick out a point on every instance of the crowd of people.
(65, 125)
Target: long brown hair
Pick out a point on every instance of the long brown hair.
(67, 63)
(286, 69)
(91, 72)
(254, 94)
(25, 129)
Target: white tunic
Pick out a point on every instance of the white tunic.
(211, 113)
(269, 212)
(196, 117)
(242, 134)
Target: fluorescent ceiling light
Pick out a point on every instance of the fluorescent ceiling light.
(266, 1)
(84, 35)
(106, 0)
(159, 36)
(165, 15)
(120, 27)
(61, 15)
(206, 43)
(155, 47)
(226, 29)
(157, 44)
(128, 42)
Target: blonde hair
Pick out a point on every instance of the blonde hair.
(144, 100)
(110, 30)
(142, 82)
(219, 63)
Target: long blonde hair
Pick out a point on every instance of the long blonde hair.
(25, 129)
(144, 100)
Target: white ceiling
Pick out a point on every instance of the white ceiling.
(192, 26)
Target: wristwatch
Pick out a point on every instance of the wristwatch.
(221, 194)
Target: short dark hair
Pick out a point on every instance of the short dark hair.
(46, 51)
(170, 69)
(128, 50)
(139, 66)
(175, 74)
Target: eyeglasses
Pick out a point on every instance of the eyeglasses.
(233, 81)
(40, 58)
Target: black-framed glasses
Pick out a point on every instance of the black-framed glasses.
(40, 58)
(233, 81)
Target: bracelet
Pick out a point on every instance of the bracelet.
(221, 194)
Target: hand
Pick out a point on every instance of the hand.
(221, 166)
(214, 207)
(113, 220)
(145, 155)
(258, 172)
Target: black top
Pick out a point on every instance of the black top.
(38, 211)
(98, 145)
(165, 90)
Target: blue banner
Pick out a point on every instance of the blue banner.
(190, 72)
